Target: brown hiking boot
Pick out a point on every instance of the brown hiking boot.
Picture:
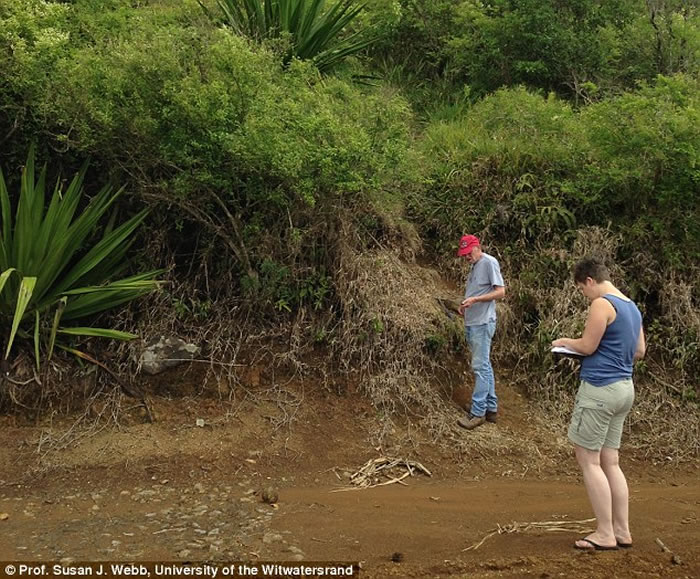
(470, 422)
(491, 416)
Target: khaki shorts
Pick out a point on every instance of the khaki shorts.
(599, 414)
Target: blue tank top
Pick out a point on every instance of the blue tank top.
(614, 358)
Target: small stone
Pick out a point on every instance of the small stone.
(270, 496)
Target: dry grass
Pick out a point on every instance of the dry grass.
(389, 311)
(661, 426)
(103, 410)
(654, 428)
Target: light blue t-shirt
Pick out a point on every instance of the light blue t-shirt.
(484, 277)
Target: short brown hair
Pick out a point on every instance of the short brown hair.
(592, 267)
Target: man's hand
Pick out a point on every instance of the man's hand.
(466, 303)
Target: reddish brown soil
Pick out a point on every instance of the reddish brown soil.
(175, 491)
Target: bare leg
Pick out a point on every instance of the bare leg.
(609, 462)
(600, 496)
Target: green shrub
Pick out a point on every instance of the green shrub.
(643, 166)
(521, 166)
(505, 166)
(581, 49)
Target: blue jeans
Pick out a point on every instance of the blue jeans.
(484, 396)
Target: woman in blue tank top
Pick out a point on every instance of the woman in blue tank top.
(613, 339)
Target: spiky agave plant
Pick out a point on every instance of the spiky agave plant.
(48, 275)
(315, 32)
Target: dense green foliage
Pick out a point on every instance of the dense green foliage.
(526, 168)
(530, 123)
(584, 49)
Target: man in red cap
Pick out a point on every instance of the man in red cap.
(484, 286)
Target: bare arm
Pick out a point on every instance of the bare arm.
(497, 293)
(600, 314)
(641, 346)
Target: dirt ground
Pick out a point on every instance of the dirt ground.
(190, 487)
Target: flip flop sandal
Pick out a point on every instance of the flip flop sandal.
(594, 546)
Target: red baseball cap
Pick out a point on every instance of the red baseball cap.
(466, 244)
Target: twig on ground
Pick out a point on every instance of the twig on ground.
(675, 559)
(547, 526)
(203, 361)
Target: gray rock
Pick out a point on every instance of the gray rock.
(162, 353)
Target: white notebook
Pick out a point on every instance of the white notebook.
(567, 352)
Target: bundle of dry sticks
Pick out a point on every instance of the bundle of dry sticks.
(372, 473)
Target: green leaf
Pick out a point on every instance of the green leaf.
(98, 332)
(111, 242)
(26, 289)
(4, 276)
(54, 327)
(36, 340)
(5, 239)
